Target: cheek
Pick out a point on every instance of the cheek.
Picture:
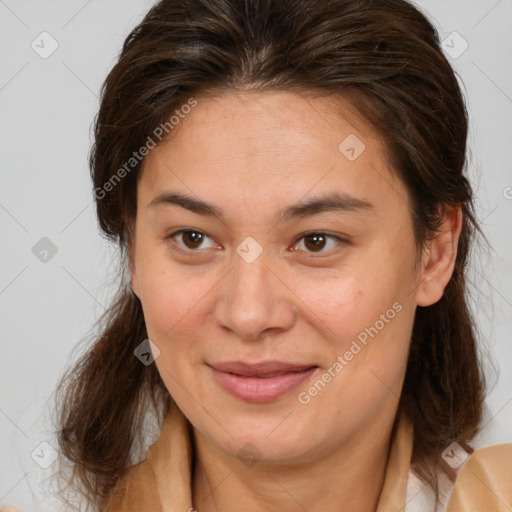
(159, 298)
(366, 317)
(344, 303)
(368, 363)
(171, 303)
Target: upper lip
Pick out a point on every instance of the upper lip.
(259, 369)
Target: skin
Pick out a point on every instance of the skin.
(252, 155)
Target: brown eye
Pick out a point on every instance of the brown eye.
(317, 242)
(189, 241)
(194, 238)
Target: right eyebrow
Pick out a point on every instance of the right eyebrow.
(189, 203)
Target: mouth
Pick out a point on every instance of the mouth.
(261, 382)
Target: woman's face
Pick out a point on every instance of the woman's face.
(283, 313)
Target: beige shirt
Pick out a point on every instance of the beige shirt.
(162, 481)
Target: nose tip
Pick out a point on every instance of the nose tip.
(253, 302)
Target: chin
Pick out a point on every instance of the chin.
(270, 438)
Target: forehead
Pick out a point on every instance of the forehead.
(279, 146)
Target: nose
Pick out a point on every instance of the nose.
(255, 300)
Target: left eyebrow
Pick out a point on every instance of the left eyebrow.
(340, 202)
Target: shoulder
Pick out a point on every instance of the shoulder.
(484, 482)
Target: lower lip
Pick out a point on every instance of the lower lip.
(258, 389)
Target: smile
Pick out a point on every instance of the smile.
(260, 382)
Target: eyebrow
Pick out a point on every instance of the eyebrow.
(339, 202)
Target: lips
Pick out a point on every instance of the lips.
(261, 382)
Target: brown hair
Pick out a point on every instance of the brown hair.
(385, 56)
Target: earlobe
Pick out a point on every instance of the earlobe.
(134, 280)
(438, 259)
(135, 284)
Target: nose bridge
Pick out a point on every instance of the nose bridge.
(249, 279)
(253, 299)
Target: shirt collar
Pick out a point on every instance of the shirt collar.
(162, 482)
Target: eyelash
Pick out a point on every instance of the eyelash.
(197, 252)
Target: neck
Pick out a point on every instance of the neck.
(349, 478)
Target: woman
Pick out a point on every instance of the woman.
(285, 179)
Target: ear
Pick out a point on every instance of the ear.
(134, 279)
(438, 258)
(135, 283)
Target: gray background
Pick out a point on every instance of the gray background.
(47, 107)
